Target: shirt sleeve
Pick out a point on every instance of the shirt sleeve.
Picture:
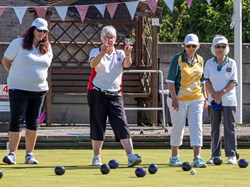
(173, 70)
(13, 49)
(206, 71)
(234, 77)
(93, 53)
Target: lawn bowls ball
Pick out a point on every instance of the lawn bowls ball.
(186, 166)
(243, 163)
(59, 170)
(140, 172)
(1, 174)
(113, 164)
(217, 161)
(105, 169)
(152, 168)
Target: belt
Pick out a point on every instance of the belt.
(106, 92)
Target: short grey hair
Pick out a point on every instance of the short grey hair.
(108, 30)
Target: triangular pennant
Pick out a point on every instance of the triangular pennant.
(41, 11)
(208, 1)
(101, 8)
(62, 11)
(170, 4)
(111, 9)
(132, 6)
(152, 5)
(2, 9)
(189, 3)
(20, 11)
(82, 10)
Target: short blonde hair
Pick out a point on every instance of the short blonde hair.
(108, 30)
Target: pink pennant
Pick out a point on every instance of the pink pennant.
(152, 5)
(82, 10)
(189, 3)
(111, 9)
(2, 9)
(41, 11)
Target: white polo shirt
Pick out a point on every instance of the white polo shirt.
(107, 75)
(29, 69)
(220, 77)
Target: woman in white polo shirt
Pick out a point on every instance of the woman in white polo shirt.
(27, 60)
(220, 79)
(105, 96)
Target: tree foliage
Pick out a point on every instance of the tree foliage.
(203, 19)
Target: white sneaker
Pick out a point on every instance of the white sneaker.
(96, 161)
(133, 159)
(210, 161)
(232, 160)
(10, 158)
(30, 159)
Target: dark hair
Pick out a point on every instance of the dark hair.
(28, 37)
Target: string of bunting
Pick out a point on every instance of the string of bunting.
(82, 9)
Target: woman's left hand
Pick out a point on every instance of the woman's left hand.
(205, 106)
(128, 49)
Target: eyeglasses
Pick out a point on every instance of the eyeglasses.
(44, 31)
(193, 46)
(220, 46)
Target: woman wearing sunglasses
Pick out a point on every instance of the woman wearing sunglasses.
(221, 79)
(27, 60)
(187, 99)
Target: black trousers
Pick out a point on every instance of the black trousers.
(25, 108)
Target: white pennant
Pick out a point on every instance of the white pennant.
(20, 11)
(101, 8)
(62, 11)
(170, 4)
(132, 6)
(233, 21)
(208, 1)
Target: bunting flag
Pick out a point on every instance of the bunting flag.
(189, 3)
(101, 8)
(2, 9)
(208, 1)
(41, 11)
(62, 11)
(20, 11)
(170, 4)
(82, 10)
(152, 5)
(132, 6)
(111, 9)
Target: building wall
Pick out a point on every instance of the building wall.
(76, 110)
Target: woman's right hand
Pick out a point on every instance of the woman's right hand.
(175, 104)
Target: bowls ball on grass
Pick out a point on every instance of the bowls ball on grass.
(105, 169)
(217, 161)
(152, 168)
(1, 174)
(186, 166)
(140, 172)
(59, 170)
(113, 164)
(243, 163)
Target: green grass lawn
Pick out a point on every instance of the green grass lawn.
(80, 173)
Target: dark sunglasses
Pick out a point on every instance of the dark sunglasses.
(44, 31)
(193, 46)
(220, 46)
